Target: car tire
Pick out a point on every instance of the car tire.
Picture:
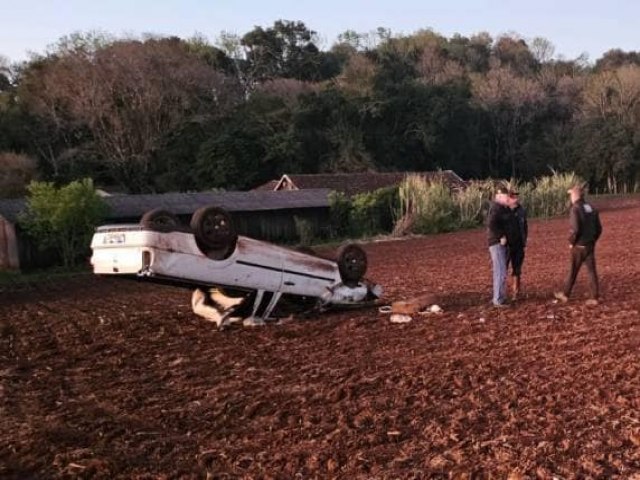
(160, 220)
(214, 231)
(352, 263)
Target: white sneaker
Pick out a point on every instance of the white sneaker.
(561, 297)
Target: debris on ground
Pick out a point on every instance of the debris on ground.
(433, 309)
(413, 305)
(400, 318)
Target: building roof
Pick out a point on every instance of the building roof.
(354, 183)
(132, 206)
(267, 187)
(10, 208)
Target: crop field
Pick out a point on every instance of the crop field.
(101, 378)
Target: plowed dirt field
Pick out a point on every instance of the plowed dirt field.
(101, 378)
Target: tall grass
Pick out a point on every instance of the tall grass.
(547, 196)
(425, 207)
(472, 203)
(431, 207)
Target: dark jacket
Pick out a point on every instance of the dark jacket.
(518, 228)
(498, 222)
(585, 224)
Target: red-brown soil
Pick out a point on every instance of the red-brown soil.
(101, 378)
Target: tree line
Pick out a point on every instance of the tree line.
(157, 114)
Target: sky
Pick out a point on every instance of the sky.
(574, 27)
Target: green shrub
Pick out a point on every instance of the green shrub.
(63, 218)
(373, 212)
(364, 214)
(339, 212)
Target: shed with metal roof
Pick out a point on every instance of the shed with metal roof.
(267, 215)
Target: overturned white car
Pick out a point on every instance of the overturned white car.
(236, 278)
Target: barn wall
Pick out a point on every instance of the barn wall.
(9, 259)
(31, 256)
(278, 226)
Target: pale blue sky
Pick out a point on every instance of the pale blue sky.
(572, 26)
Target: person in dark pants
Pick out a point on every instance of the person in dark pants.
(498, 220)
(585, 232)
(517, 241)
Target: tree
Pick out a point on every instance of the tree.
(287, 89)
(63, 218)
(512, 51)
(616, 58)
(421, 127)
(511, 103)
(49, 127)
(215, 57)
(250, 146)
(608, 144)
(394, 70)
(230, 159)
(542, 49)
(472, 53)
(329, 128)
(435, 69)
(16, 171)
(5, 73)
(175, 162)
(350, 154)
(287, 50)
(128, 95)
(607, 154)
(350, 41)
(478, 52)
(358, 75)
(615, 93)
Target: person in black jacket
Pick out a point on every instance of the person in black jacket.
(498, 222)
(517, 240)
(584, 233)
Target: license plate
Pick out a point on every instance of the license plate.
(113, 239)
